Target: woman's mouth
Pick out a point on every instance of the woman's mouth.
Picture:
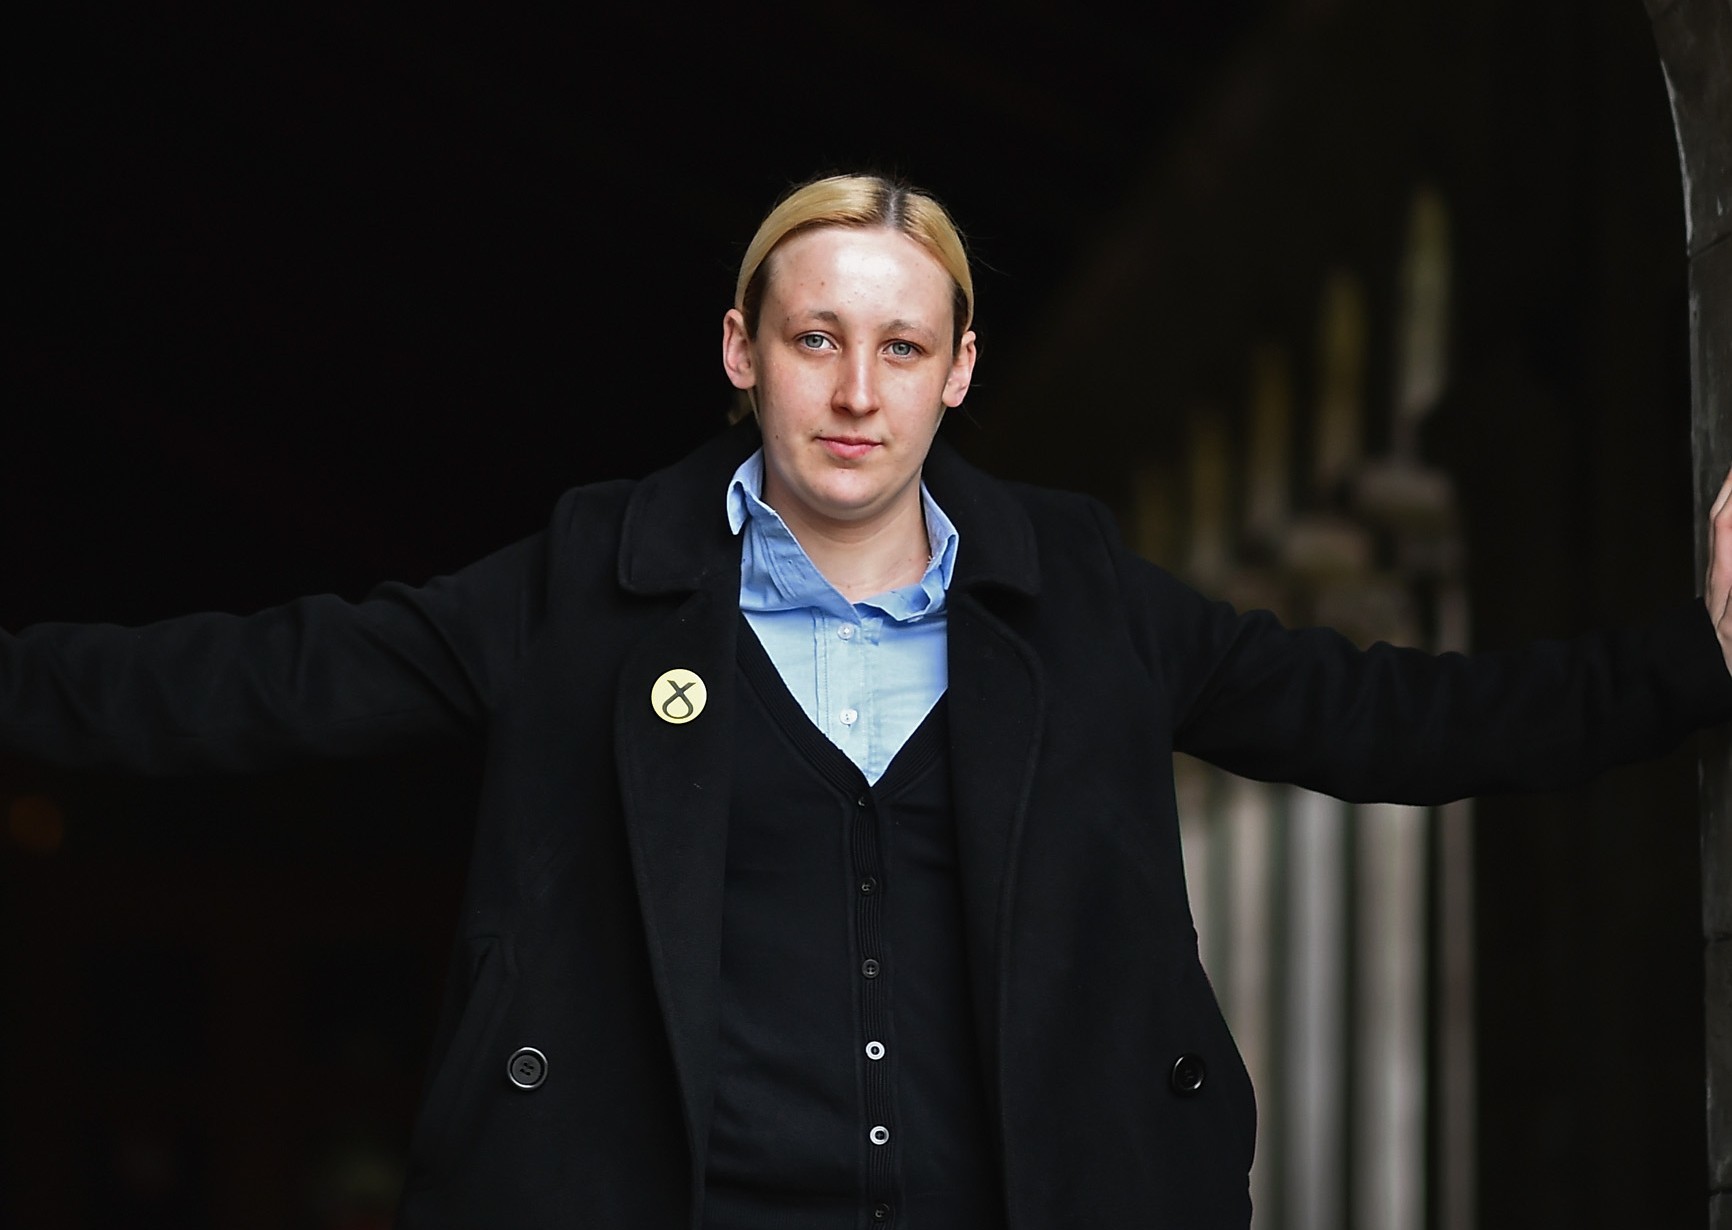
(849, 448)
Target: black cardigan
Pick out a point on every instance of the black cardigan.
(589, 928)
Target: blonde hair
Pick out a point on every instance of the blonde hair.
(858, 201)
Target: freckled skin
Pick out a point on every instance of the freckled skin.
(853, 369)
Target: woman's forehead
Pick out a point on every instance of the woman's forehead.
(844, 271)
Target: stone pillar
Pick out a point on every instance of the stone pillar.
(1695, 44)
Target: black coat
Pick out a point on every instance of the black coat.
(590, 928)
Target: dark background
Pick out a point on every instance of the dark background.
(301, 303)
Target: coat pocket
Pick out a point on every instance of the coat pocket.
(465, 1071)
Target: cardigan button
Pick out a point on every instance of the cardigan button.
(1187, 1075)
(527, 1068)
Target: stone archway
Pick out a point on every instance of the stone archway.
(1695, 44)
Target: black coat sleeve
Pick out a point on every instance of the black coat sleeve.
(1386, 724)
(317, 678)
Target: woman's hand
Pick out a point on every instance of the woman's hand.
(1718, 588)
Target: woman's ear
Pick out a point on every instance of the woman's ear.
(961, 372)
(737, 357)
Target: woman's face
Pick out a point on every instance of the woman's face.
(853, 369)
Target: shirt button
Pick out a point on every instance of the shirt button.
(850, 716)
(868, 886)
(846, 632)
(879, 1135)
(880, 1212)
(869, 967)
(874, 1050)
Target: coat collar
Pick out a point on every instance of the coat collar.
(676, 538)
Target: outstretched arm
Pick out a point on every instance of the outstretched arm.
(1304, 705)
(319, 678)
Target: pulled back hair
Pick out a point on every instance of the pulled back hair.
(864, 201)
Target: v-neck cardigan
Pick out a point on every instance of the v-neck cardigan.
(848, 1089)
(589, 932)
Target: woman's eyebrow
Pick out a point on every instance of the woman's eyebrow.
(824, 315)
(899, 325)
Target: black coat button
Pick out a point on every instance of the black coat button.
(1188, 1075)
(527, 1068)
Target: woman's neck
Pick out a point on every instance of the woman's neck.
(865, 558)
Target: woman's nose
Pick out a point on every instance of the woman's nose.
(856, 386)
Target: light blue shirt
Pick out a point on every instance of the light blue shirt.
(866, 673)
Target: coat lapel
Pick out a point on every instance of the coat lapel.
(995, 729)
(675, 783)
(675, 776)
(995, 697)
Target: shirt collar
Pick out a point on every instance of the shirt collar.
(777, 574)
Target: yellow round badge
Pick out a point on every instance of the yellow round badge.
(678, 696)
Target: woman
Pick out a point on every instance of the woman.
(827, 868)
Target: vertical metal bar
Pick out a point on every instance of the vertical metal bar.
(1694, 38)
(1457, 1079)
(1248, 818)
(1390, 992)
(1457, 1112)
(1316, 1131)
